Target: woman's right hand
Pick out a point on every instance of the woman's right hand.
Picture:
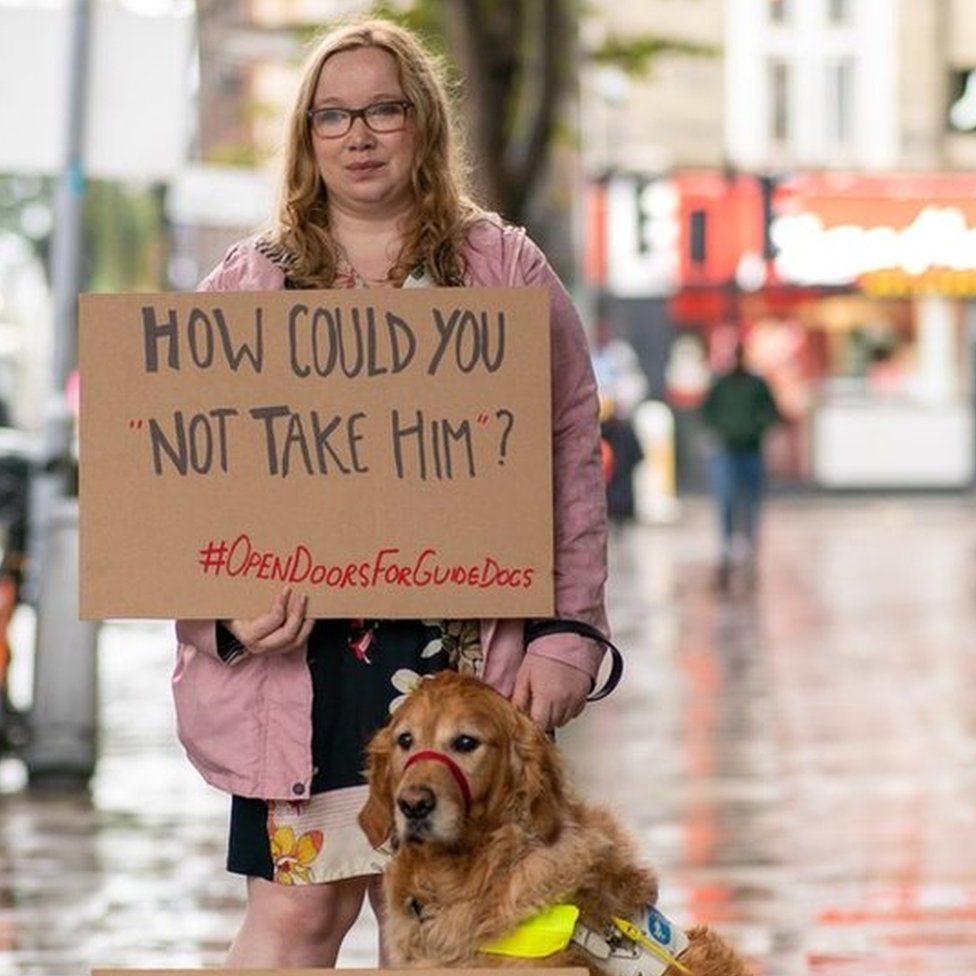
(284, 628)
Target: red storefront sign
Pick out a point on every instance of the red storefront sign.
(721, 221)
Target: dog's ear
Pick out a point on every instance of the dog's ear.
(540, 788)
(376, 817)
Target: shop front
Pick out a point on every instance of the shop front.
(894, 403)
(728, 293)
(853, 296)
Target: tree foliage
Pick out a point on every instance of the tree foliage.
(518, 62)
(636, 55)
(514, 61)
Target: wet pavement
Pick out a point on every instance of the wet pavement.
(798, 760)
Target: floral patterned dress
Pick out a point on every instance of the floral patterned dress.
(361, 670)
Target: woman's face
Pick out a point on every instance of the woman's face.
(365, 172)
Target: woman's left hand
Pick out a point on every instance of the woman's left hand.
(550, 692)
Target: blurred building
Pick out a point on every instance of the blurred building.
(138, 57)
(250, 53)
(667, 113)
(812, 194)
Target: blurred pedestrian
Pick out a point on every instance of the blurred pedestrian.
(624, 454)
(623, 385)
(619, 374)
(739, 409)
(276, 709)
(15, 470)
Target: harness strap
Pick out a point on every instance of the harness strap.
(544, 934)
(632, 932)
(639, 959)
(453, 768)
(637, 953)
(592, 943)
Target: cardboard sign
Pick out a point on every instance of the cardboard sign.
(387, 452)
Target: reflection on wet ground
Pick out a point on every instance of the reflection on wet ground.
(798, 761)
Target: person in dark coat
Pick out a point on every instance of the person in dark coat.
(625, 453)
(739, 409)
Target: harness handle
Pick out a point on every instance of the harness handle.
(543, 628)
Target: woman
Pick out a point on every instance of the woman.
(276, 709)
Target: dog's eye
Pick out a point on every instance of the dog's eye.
(404, 740)
(465, 743)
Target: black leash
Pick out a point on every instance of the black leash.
(542, 628)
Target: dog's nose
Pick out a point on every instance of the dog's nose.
(416, 802)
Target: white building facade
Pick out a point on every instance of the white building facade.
(812, 83)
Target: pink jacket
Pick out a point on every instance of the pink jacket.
(247, 727)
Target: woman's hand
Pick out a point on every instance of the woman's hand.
(284, 628)
(549, 691)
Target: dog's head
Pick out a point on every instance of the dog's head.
(457, 756)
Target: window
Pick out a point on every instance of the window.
(780, 83)
(840, 96)
(230, 82)
(699, 236)
(839, 11)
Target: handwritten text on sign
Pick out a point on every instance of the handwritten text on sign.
(386, 451)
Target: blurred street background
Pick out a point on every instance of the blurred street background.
(799, 765)
(796, 746)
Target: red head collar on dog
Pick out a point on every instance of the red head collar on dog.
(453, 768)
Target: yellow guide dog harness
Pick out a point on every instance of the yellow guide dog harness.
(645, 946)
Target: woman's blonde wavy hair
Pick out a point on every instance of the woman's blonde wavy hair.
(443, 209)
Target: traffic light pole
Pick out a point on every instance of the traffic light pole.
(61, 749)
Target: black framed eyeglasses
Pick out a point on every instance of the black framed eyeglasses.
(331, 123)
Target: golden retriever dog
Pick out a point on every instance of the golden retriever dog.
(487, 836)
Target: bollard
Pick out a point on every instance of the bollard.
(62, 747)
(655, 491)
